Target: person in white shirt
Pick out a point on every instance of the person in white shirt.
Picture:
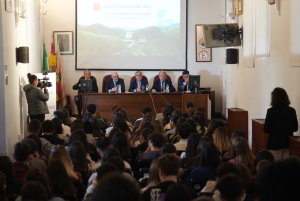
(184, 132)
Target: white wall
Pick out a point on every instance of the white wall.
(23, 33)
(62, 18)
(250, 88)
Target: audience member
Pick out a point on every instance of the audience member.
(160, 116)
(202, 118)
(2, 186)
(23, 161)
(184, 131)
(69, 119)
(112, 133)
(191, 111)
(58, 129)
(141, 148)
(145, 110)
(97, 132)
(180, 192)
(238, 133)
(192, 149)
(102, 143)
(120, 143)
(230, 188)
(166, 120)
(123, 126)
(76, 126)
(36, 161)
(177, 112)
(126, 118)
(48, 129)
(200, 125)
(188, 105)
(212, 126)
(176, 137)
(171, 107)
(168, 166)
(203, 111)
(117, 115)
(262, 155)
(193, 125)
(173, 121)
(78, 156)
(221, 141)
(168, 148)
(92, 109)
(153, 179)
(88, 129)
(60, 114)
(34, 191)
(158, 126)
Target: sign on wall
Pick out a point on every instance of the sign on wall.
(202, 54)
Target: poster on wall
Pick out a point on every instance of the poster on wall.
(202, 54)
(64, 41)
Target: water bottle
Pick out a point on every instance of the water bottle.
(167, 89)
(147, 87)
(119, 88)
(182, 88)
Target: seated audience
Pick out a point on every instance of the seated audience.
(138, 131)
(117, 115)
(88, 129)
(158, 126)
(200, 125)
(92, 109)
(192, 149)
(87, 117)
(36, 161)
(23, 161)
(188, 105)
(34, 191)
(59, 114)
(193, 125)
(34, 128)
(159, 116)
(97, 132)
(209, 162)
(102, 143)
(238, 133)
(48, 129)
(173, 121)
(120, 143)
(41, 153)
(176, 137)
(180, 192)
(212, 126)
(58, 130)
(167, 113)
(202, 118)
(153, 179)
(168, 167)
(78, 156)
(141, 148)
(69, 119)
(168, 148)
(203, 111)
(126, 118)
(262, 155)
(145, 110)
(115, 187)
(230, 188)
(184, 132)
(123, 126)
(221, 141)
(191, 111)
(112, 133)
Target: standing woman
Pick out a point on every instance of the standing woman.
(36, 99)
(281, 122)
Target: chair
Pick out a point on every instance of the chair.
(143, 78)
(142, 163)
(178, 87)
(105, 79)
(157, 77)
(198, 184)
(186, 174)
(76, 97)
(143, 172)
(84, 174)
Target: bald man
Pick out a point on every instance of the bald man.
(114, 81)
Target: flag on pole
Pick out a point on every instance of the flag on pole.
(62, 96)
(53, 68)
(45, 64)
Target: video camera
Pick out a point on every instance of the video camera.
(44, 81)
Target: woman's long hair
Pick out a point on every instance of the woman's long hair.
(192, 146)
(209, 156)
(158, 126)
(221, 140)
(117, 109)
(212, 126)
(60, 153)
(241, 152)
(58, 129)
(153, 175)
(119, 142)
(78, 155)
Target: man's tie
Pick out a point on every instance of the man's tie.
(139, 85)
(115, 83)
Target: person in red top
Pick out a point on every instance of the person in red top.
(23, 161)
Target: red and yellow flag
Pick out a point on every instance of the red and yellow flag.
(53, 68)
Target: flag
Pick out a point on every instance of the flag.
(53, 68)
(45, 65)
(62, 96)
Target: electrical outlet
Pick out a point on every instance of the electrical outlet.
(19, 137)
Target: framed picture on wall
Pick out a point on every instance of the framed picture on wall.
(8, 6)
(239, 7)
(202, 54)
(64, 41)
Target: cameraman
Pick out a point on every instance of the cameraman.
(36, 98)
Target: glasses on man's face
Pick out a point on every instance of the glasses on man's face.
(138, 75)
(115, 76)
(162, 75)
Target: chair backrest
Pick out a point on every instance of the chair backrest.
(143, 78)
(198, 184)
(178, 82)
(82, 77)
(142, 163)
(83, 173)
(143, 172)
(157, 77)
(104, 82)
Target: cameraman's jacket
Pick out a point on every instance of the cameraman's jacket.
(36, 100)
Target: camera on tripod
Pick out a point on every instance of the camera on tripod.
(44, 81)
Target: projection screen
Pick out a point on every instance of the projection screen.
(131, 34)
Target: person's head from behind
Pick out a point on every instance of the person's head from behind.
(110, 152)
(124, 112)
(279, 98)
(189, 105)
(228, 168)
(118, 162)
(201, 116)
(180, 121)
(193, 125)
(78, 155)
(178, 192)
(34, 127)
(246, 175)
(76, 126)
(231, 188)
(177, 112)
(201, 109)
(148, 117)
(221, 139)
(212, 126)
(119, 142)
(115, 187)
(69, 108)
(191, 111)
(145, 134)
(7, 168)
(122, 125)
(209, 156)
(58, 178)
(171, 107)
(92, 108)
(153, 174)
(88, 127)
(38, 143)
(32, 79)
(104, 169)
(168, 165)
(185, 130)
(87, 117)
(102, 143)
(263, 155)
(33, 191)
(238, 133)
(156, 141)
(158, 126)
(58, 114)
(48, 127)
(58, 129)
(113, 132)
(96, 125)
(241, 152)
(280, 181)
(66, 113)
(173, 121)
(146, 109)
(116, 117)
(32, 144)
(192, 149)
(168, 148)
(3, 186)
(22, 152)
(167, 114)
(261, 166)
(164, 104)
(79, 135)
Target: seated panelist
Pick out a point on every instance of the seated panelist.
(111, 85)
(161, 84)
(183, 83)
(136, 85)
(87, 76)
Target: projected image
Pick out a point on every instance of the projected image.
(128, 28)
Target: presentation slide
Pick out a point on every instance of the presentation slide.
(131, 34)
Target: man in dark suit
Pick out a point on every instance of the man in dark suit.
(136, 85)
(87, 76)
(111, 85)
(162, 83)
(183, 83)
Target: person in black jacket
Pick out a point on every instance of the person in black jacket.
(113, 82)
(87, 76)
(281, 122)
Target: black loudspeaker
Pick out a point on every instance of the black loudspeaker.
(23, 54)
(232, 56)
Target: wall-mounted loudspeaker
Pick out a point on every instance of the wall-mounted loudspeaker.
(232, 56)
(23, 54)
